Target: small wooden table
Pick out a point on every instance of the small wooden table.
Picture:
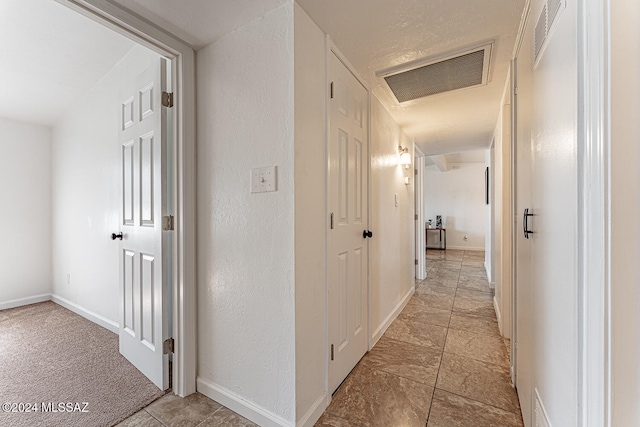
(443, 241)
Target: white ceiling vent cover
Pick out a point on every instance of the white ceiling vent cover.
(426, 77)
(544, 26)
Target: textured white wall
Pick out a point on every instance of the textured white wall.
(625, 212)
(392, 246)
(246, 316)
(489, 243)
(457, 195)
(25, 173)
(310, 223)
(86, 192)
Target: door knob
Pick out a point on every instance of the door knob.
(367, 233)
(115, 236)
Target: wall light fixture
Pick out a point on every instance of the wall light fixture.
(405, 157)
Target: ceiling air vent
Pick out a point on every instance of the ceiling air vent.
(430, 76)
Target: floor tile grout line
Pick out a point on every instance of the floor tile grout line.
(351, 423)
(154, 417)
(478, 401)
(210, 415)
(403, 377)
(439, 365)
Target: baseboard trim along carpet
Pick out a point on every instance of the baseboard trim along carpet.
(87, 314)
(61, 369)
(24, 301)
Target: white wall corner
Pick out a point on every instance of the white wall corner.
(87, 314)
(5, 305)
(441, 163)
(240, 406)
(314, 413)
(391, 317)
(496, 307)
(488, 270)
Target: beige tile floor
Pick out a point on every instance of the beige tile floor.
(441, 363)
(193, 410)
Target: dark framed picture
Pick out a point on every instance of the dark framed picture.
(486, 185)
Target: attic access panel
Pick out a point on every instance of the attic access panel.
(428, 77)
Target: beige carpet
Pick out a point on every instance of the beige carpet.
(49, 354)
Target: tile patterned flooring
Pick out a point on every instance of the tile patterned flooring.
(442, 362)
(194, 410)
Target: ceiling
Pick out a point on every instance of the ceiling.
(184, 18)
(477, 156)
(378, 34)
(45, 67)
(373, 35)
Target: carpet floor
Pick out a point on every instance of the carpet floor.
(52, 359)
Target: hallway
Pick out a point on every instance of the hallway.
(442, 362)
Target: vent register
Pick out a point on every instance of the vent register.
(547, 18)
(429, 77)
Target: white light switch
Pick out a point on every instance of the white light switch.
(263, 179)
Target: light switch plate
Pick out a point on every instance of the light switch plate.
(263, 179)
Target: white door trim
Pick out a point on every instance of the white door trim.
(183, 81)
(594, 233)
(418, 188)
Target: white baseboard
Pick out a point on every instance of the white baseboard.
(391, 317)
(240, 406)
(87, 314)
(314, 413)
(24, 301)
(496, 307)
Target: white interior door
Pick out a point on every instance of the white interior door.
(348, 206)
(547, 280)
(143, 299)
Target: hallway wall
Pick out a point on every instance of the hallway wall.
(501, 251)
(459, 196)
(310, 170)
(245, 248)
(261, 257)
(392, 247)
(25, 173)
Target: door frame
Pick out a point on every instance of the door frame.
(332, 49)
(418, 189)
(594, 212)
(182, 60)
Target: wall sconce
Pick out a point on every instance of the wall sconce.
(405, 157)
